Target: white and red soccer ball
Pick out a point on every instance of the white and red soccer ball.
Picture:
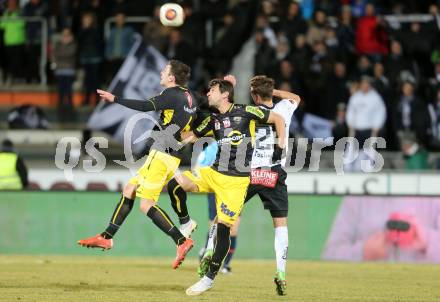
(171, 14)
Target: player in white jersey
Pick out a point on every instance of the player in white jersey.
(268, 176)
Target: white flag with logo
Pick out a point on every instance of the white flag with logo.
(138, 78)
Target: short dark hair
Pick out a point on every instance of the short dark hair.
(180, 71)
(262, 86)
(7, 146)
(224, 86)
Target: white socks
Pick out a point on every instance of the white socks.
(281, 246)
(211, 237)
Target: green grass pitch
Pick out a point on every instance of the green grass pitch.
(79, 278)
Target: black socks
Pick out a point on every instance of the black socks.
(163, 222)
(121, 212)
(220, 251)
(178, 200)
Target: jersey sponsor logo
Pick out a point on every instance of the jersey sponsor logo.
(189, 98)
(227, 122)
(236, 119)
(255, 111)
(264, 178)
(189, 110)
(234, 137)
(226, 211)
(204, 124)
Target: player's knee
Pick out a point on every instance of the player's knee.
(186, 184)
(279, 221)
(129, 191)
(227, 224)
(145, 205)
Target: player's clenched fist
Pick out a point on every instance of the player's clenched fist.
(106, 96)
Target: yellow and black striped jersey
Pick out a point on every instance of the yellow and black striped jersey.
(234, 132)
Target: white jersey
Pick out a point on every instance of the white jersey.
(265, 136)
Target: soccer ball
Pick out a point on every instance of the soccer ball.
(171, 14)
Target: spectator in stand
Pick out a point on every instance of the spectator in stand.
(346, 34)
(13, 171)
(283, 47)
(90, 56)
(118, 45)
(64, 55)
(34, 8)
(14, 38)
(262, 24)
(415, 156)
(293, 24)
(286, 73)
(300, 54)
(318, 73)
(418, 43)
(264, 56)
(307, 9)
(336, 92)
(330, 7)
(382, 86)
(358, 8)
(434, 114)
(371, 38)
(155, 33)
(381, 82)
(268, 9)
(316, 31)
(396, 63)
(340, 128)
(366, 115)
(332, 43)
(193, 29)
(179, 49)
(412, 114)
(363, 67)
(434, 82)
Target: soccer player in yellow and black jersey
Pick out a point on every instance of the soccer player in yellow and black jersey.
(178, 108)
(228, 178)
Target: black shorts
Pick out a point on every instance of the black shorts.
(274, 199)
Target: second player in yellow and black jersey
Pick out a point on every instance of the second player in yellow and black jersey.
(234, 127)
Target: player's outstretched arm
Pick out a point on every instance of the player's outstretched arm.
(287, 95)
(280, 128)
(139, 105)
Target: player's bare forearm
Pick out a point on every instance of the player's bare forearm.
(280, 128)
(188, 137)
(230, 78)
(283, 94)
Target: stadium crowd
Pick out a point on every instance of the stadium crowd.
(338, 55)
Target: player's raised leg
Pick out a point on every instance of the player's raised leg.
(177, 188)
(165, 224)
(104, 240)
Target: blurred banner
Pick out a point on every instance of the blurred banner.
(138, 78)
(316, 127)
(347, 228)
